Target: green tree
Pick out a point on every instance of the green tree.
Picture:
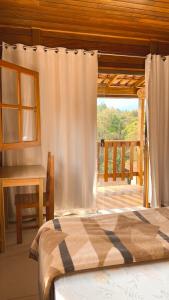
(114, 124)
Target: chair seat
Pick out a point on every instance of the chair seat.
(29, 200)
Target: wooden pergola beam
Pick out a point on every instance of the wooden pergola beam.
(140, 82)
(116, 91)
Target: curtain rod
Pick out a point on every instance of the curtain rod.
(100, 53)
(121, 55)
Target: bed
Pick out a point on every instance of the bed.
(81, 257)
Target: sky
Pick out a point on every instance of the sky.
(120, 103)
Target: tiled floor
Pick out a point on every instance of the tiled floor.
(19, 274)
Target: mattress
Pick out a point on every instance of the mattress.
(137, 282)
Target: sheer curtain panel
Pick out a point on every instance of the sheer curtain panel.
(68, 92)
(157, 90)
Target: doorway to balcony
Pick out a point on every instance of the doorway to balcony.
(120, 141)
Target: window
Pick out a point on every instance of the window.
(19, 107)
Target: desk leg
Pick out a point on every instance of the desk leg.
(40, 202)
(2, 220)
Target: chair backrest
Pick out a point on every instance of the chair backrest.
(50, 183)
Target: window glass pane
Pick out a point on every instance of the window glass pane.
(29, 125)
(27, 90)
(10, 125)
(9, 86)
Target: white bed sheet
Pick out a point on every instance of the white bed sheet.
(136, 282)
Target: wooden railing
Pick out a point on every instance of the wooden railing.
(119, 159)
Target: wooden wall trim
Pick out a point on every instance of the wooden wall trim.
(36, 36)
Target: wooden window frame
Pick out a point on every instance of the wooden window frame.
(19, 107)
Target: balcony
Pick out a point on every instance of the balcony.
(120, 174)
(120, 159)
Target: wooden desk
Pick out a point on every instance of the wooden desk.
(19, 176)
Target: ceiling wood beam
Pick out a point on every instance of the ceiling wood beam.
(105, 43)
(114, 43)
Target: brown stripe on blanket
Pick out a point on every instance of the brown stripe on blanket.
(141, 217)
(56, 224)
(132, 232)
(164, 213)
(128, 258)
(98, 239)
(66, 258)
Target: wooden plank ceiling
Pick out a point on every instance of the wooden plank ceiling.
(136, 18)
(113, 85)
(133, 27)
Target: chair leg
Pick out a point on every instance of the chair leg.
(37, 216)
(19, 224)
(49, 213)
(6, 209)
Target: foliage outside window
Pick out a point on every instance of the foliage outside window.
(115, 124)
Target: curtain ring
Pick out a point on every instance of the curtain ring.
(24, 47)
(163, 58)
(76, 51)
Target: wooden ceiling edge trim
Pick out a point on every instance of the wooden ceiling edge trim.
(97, 35)
(121, 70)
(79, 33)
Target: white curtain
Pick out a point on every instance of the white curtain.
(68, 92)
(157, 90)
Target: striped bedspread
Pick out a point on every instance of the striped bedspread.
(71, 244)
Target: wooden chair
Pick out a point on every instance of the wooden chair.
(30, 200)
